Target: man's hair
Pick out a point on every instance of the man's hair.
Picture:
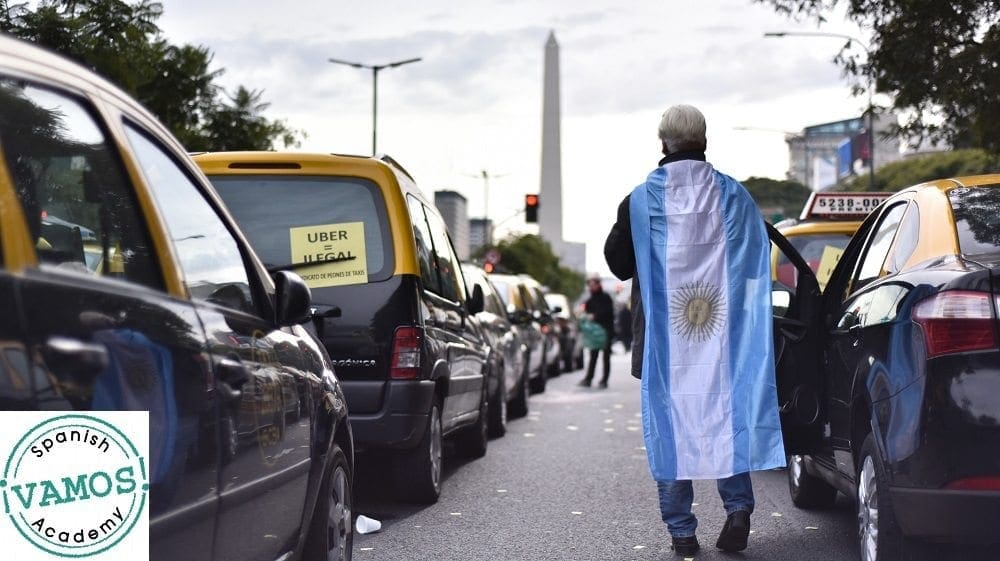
(683, 128)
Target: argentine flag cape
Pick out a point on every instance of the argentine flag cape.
(709, 401)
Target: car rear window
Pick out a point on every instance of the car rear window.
(811, 247)
(976, 219)
(268, 208)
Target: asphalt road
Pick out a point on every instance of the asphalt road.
(570, 482)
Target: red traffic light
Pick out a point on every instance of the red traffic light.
(531, 207)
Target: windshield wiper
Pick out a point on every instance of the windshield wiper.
(293, 266)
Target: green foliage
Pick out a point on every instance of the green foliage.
(933, 58)
(531, 255)
(783, 197)
(121, 41)
(917, 169)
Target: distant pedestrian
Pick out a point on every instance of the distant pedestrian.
(694, 243)
(601, 310)
(624, 327)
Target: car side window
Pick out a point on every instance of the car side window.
(447, 263)
(209, 255)
(424, 246)
(81, 211)
(906, 239)
(878, 247)
(884, 303)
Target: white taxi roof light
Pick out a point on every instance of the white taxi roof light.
(842, 205)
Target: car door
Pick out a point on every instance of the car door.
(798, 340)
(852, 296)
(101, 331)
(262, 398)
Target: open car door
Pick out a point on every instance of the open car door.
(798, 353)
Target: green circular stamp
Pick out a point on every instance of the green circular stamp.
(74, 486)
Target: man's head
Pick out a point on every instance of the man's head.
(682, 128)
(594, 283)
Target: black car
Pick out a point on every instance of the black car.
(125, 285)
(509, 387)
(890, 381)
(391, 302)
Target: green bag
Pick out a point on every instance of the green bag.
(594, 336)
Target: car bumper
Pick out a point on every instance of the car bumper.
(947, 516)
(401, 422)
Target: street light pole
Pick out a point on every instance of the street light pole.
(868, 87)
(375, 68)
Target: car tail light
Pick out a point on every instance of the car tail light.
(975, 484)
(405, 363)
(956, 321)
(546, 328)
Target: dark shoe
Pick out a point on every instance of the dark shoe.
(686, 546)
(603, 385)
(734, 534)
(585, 383)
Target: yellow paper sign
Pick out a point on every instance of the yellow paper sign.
(831, 255)
(337, 249)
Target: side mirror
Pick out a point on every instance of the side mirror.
(477, 301)
(556, 309)
(293, 300)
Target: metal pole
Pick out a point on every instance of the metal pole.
(375, 70)
(871, 139)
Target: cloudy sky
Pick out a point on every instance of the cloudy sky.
(474, 102)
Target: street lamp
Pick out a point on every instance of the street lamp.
(868, 87)
(375, 69)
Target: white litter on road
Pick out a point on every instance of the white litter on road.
(365, 525)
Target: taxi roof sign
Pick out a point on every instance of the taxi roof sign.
(842, 205)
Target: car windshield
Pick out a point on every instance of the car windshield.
(976, 220)
(271, 209)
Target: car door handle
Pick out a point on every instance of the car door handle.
(68, 356)
(231, 375)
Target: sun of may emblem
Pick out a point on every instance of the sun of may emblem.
(696, 311)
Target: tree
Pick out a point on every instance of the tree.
(937, 60)
(918, 169)
(531, 255)
(122, 42)
(779, 197)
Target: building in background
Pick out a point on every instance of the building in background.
(454, 208)
(572, 255)
(479, 230)
(823, 154)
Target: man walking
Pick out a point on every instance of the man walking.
(602, 312)
(695, 245)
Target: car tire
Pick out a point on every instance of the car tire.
(418, 471)
(472, 441)
(808, 491)
(879, 535)
(537, 384)
(579, 360)
(498, 408)
(331, 533)
(518, 407)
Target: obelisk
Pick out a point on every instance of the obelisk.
(550, 190)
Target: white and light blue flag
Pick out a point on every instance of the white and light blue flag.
(709, 401)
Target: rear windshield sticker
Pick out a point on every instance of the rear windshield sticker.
(337, 249)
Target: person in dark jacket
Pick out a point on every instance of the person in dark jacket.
(602, 311)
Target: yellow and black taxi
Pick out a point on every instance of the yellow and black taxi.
(391, 301)
(820, 234)
(125, 285)
(891, 379)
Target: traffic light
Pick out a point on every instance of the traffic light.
(531, 208)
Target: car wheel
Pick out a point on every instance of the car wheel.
(519, 405)
(537, 384)
(808, 491)
(879, 536)
(472, 442)
(579, 360)
(498, 408)
(418, 471)
(331, 533)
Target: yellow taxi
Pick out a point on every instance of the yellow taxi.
(125, 285)
(821, 233)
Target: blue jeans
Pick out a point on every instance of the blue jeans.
(676, 498)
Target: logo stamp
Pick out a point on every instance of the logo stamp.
(75, 485)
